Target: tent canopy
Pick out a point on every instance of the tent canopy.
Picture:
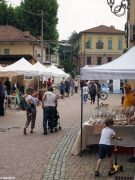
(22, 67)
(42, 70)
(57, 72)
(6, 73)
(120, 68)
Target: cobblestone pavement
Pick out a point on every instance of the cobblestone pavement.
(64, 166)
(36, 157)
(26, 157)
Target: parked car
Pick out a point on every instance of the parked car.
(105, 87)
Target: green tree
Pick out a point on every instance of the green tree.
(66, 61)
(3, 12)
(21, 18)
(33, 22)
(74, 36)
(68, 66)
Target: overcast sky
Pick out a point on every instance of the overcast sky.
(79, 15)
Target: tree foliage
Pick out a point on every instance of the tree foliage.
(74, 36)
(22, 19)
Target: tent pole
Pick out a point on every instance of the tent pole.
(81, 117)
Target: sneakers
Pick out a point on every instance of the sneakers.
(97, 174)
(24, 131)
(45, 132)
(51, 131)
(31, 131)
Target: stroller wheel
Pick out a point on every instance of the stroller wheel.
(56, 130)
(121, 168)
(60, 128)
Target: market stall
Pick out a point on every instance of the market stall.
(6, 73)
(22, 67)
(120, 68)
(91, 130)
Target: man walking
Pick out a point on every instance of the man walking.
(49, 103)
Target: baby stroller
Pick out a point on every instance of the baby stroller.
(56, 124)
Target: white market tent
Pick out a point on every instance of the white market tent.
(42, 70)
(120, 68)
(5, 73)
(57, 72)
(22, 67)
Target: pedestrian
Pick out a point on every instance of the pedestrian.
(62, 89)
(30, 113)
(76, 85)
(92, 91)
(85, 93)
(72, 86)
(49, 82)
(8, 86)
(128, 101)
(105, 147)
(67, 87)
(2, 98)
(49, 105)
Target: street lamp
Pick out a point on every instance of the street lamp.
(120, 10)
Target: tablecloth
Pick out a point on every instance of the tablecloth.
(89, 137)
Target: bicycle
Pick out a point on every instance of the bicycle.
(101, 94)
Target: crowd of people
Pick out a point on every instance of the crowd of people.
(90, 88)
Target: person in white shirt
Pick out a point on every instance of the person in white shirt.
(85, 92)
(49, 104)
(105, 147)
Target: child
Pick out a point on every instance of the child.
(31, 113)
(105, 148)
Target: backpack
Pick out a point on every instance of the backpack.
(23, 104)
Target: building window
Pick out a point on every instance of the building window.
(109, 44)
(6, 51)
(120, 44)
(99, 44)
(99, 61)
(89, 60)
(88, 44)
(109, 59)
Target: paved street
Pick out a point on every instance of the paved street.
(36, 157)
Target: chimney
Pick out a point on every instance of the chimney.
(26, 34)
(113, 27)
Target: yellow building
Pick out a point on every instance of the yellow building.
(99, 45)
(131, 22)
(15, 44)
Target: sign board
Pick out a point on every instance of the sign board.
(116, 86)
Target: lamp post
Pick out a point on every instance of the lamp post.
(120, 10)
(42, 35)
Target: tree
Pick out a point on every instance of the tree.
(33, 22)
(21, 18)
(74, 36)
(65, 53)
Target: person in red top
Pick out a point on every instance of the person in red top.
(49, 82)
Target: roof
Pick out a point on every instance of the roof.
(9, 59)
(102, 29)
(10, 33)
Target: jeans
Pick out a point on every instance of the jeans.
(85, 97)
(48, 117)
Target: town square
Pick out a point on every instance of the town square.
(67, 90)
